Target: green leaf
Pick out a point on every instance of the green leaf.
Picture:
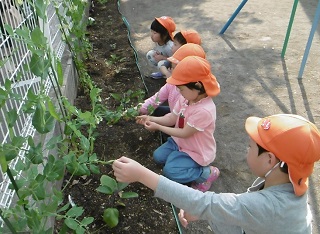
(54, 169)
(39, 65)
(42, 119)
(39, 192)
(67, 129)
(128, 195)
(41, 9)
(80, 230)
(108, 182)
(64, 229)
(49, 122)
(83, 158)
(38, 38)
(65, 207)
(11, 118)
(94, 94)
(94, 169)
(78, 169)
(19, 183)
(105, 190)
(119, 203)
(9, 29)
(121, 186)
(10, 151)
(38, 117)
(75, 212)
(116, 96)
(3, 96)
(111, 217)
(52, 110)
(71, 223)
(18, 141)
(87, 220)
(24, 33)
(53, 142)
(51, 206)
(59, 72)
(3, 162)
(7, 84)
(21, 166)
(35, 154)
(85, 144)
(33, 219)
(93, 157)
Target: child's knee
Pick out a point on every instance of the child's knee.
(150, 57)
(158, 157)
(171, 172)
(167, 173)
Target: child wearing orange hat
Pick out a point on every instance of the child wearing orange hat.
(282, 151)
(162, 29)
(180, 38)
(169, 92)
(191, 149)
(185, 36)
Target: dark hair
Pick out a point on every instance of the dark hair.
(159, 28)
(283, 165)
(196, 85)
(261, 149)
(180, 38)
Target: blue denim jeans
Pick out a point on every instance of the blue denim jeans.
(178, 165)
(161, 111)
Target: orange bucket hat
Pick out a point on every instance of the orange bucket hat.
(194, 69)
(185, 50)
(191, 36)
(168, 23)
(292, 139)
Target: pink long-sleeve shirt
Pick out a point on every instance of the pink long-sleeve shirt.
(201, 146)
(168, 92)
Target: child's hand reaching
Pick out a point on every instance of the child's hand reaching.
(142, 119)
(151, 126)
(126, 170)
(185, 218)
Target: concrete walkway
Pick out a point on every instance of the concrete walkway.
(246, 60)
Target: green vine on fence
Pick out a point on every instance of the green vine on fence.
(45, 162)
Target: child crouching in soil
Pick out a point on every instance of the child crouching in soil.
(187, 155)
(168, 92)
(161, 30)
(282, 151)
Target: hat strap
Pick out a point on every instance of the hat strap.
(268, 173)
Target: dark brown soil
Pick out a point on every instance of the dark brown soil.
(144, 214)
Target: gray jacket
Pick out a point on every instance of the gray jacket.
(272, 210)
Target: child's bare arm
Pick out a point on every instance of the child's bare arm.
(167, 120)
(185, 132)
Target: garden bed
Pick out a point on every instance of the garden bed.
(113, 69)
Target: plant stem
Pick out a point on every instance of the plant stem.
(7, 222)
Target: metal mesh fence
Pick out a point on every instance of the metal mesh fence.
(14, 57)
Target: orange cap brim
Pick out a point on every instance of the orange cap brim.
(251, 127)
(173, 60)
